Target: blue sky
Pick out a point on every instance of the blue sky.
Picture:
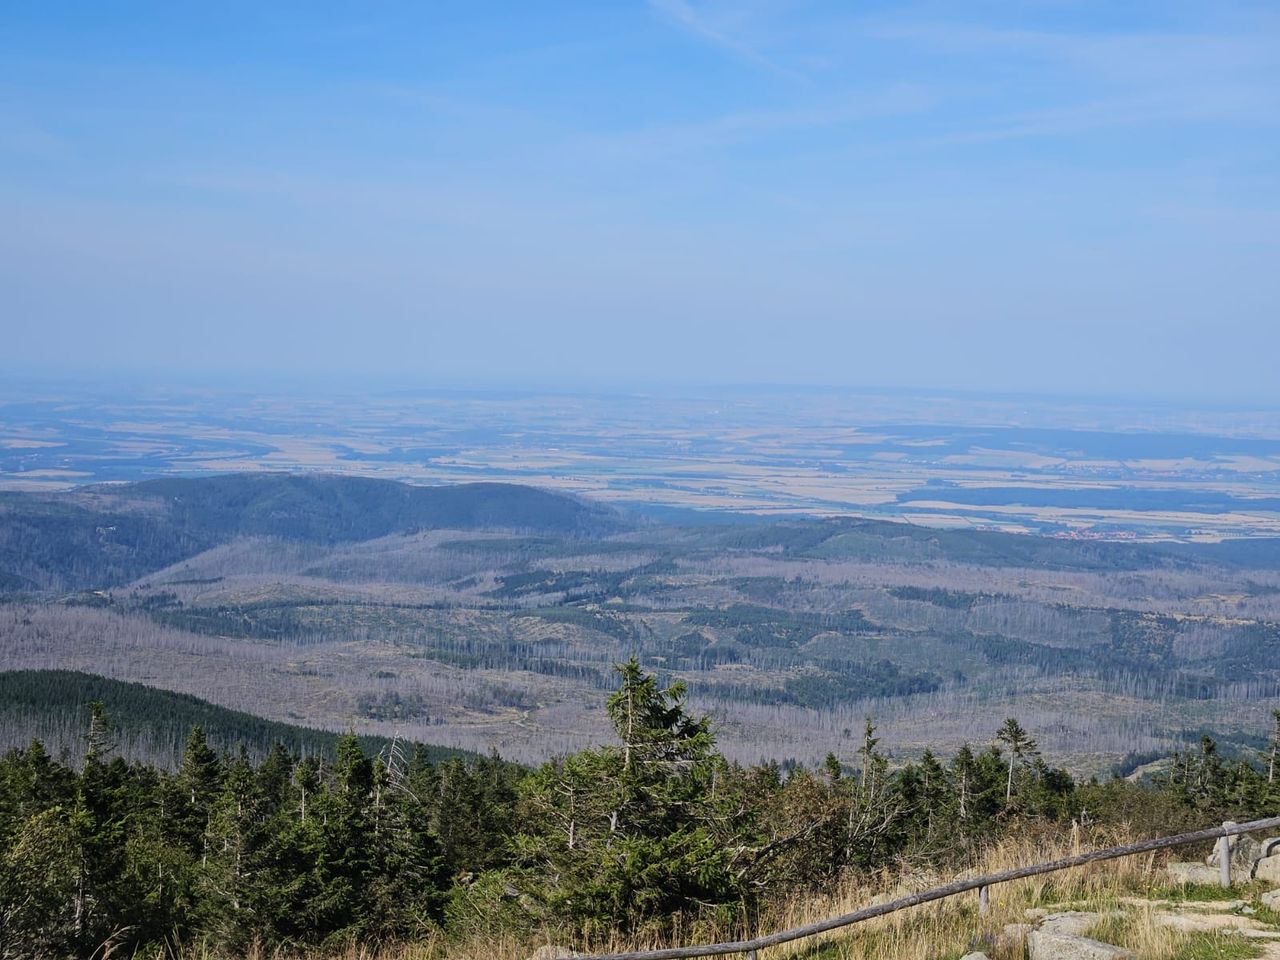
(1050, 195)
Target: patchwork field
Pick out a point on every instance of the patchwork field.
(1064, 468)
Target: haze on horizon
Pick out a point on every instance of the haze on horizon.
(1073, 197)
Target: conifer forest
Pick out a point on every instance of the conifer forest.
(332, 849)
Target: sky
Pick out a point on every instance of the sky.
(1072, 197)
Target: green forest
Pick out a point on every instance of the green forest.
(228, 851)
(153, 725)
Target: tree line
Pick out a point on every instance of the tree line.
(371, 848)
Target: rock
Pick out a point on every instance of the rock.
(552, 952)
(975, 956)
(1210, 922)
(1071, 923)
(1269, 846)
(1271, 899)
(1244, 850)
(1180, 872)
(1268, 869)
(1043, 945)
(1010, 940)
(1036, 913)
(1212, 858)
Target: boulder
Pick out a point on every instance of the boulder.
(975, 956)
(1071, 923)
(1244, 851)
(1269, 846)
(1268, 869)
(1181, 872)
(1010, 940)
(1271, 899)
(1043, 945)
(1213, 922)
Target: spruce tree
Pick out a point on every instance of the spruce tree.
(1020, 747)
(627, 834)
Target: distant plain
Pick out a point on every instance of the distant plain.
(1062, 468)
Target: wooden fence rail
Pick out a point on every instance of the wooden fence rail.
(981, 884)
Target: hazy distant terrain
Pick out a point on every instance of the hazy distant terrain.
(1064, 468)
(490, 615)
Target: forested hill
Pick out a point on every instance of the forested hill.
(103, 536)
(324, 508)
(149, 724)
(649, 836)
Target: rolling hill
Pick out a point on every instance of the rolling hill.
(149, 724)
(102, 536)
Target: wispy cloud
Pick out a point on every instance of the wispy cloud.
(1085, 82)
(1124, 59)
(22, 136)
(721, 29)
(1111, 113)
(731, 129)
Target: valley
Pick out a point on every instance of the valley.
(489, 617)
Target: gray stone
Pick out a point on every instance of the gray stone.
(1245, 851)
(1212, 858)
(1268, 869)
(1271, 899)
(1181, 872)
(1269, 846)
(975, 956)
(1070, 923)
(1043, 945)
(1010, 939)
(552, 952)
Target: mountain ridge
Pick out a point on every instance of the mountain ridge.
(107, 534)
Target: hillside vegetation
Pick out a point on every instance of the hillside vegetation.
(152, 725)
(489, 616)
(651, 837)
(102, 536)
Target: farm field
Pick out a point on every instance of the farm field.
(1060, 468)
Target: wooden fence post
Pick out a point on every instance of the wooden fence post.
(1224, 859)
(750, 948)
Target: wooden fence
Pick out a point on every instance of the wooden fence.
(981, 884)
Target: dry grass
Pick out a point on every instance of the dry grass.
(937, 931)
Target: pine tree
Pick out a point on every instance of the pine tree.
(964, 773)
(1273, 747)
(1020, 746)
(199, 782)
(935, 793)
(231, 840)
(870, 759)
(40, 887)
(97, 821)
(628, 834)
